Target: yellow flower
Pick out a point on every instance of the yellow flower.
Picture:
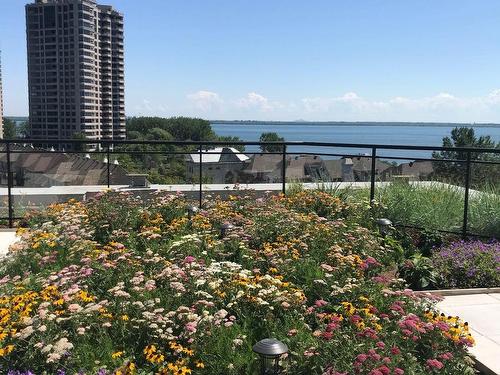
(8, 349)
(116, 355)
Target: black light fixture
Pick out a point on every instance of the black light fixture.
(225, 228)
(270, 352)
(384, 226)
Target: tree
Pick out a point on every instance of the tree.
(481, 174)
(9, 129)
(164, 166)
(23, 129)
(80, 147)
(271, 137)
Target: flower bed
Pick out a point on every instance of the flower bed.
(472, 264)
(120, 286)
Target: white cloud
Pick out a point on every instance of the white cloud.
(205, 100)
(440, 107)
(351, 106)
(254, 101)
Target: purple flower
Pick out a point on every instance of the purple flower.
(466, 264)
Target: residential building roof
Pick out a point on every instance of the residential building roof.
(218, 155)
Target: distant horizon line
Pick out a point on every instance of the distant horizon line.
(365, 123)
(338, 123)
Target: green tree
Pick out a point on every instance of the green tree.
(9, 129)
(80, 136)
(481, 174)
(271, 137)
(163, 166)
(23, 130)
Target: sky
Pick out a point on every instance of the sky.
(316, 60)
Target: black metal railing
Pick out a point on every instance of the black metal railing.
(108, 148)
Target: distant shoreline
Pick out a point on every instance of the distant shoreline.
(354, 123)
(332, 123)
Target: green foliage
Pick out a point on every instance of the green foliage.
(179, 128)
(481, 174)
(80, 136)
(23, 130)
(9, 129)
(163, 166)
(428, 241)
(439, 206)
(418, 272)
(271, 137)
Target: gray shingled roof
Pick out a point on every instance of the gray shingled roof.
(58, 168)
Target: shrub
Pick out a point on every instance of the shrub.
(468, 264)
(418, 272)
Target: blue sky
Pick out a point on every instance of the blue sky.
(361, 60)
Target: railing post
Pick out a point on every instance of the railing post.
(9, 187)
(109, 161)
(373, 171)
(283, 170)
(466, 197)
(201, 177)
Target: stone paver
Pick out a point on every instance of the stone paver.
(469, 300)
(482, 311)
(7, 238)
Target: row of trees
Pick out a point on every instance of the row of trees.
(11, 131)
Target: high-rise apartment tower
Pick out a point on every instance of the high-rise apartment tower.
(75, 70)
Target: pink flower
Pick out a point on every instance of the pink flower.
(434, 364)
(446, 356)
(395, 350)
(189, 259)
(191, 327)
(320, 303)
(361, 358)
(327, 335)
(398, 371)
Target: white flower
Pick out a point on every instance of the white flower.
(26, 332)
(53, 357)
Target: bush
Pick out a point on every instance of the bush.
(472, 264)
(418, 272)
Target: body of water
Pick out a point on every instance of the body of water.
(385, 134)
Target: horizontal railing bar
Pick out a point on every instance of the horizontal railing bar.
(436, 160)
(155, 152)
(255, 143)
(469, 234)
(378, 157)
